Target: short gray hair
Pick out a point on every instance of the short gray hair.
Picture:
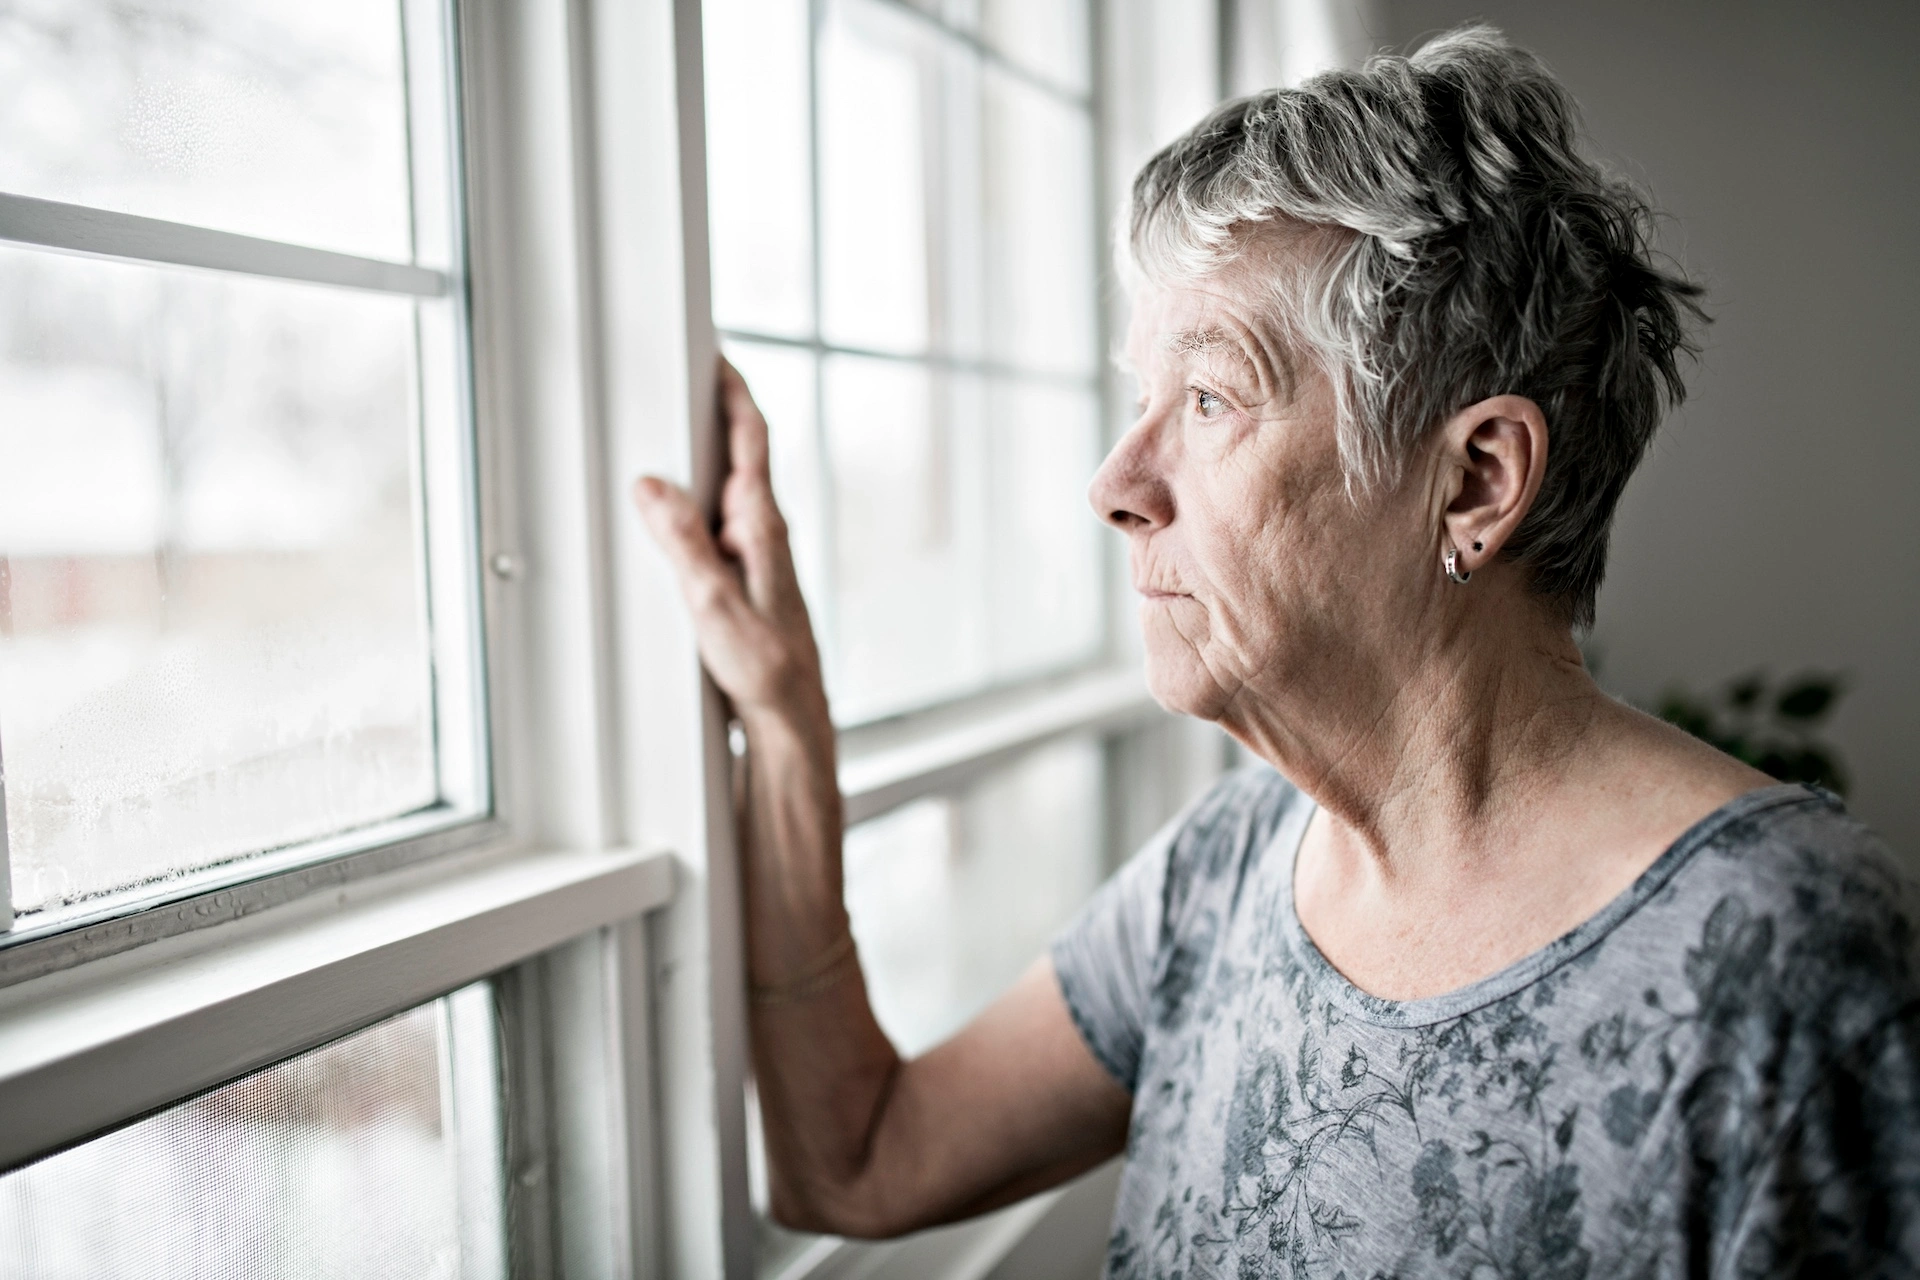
(1457, 247)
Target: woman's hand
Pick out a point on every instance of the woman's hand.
(748, 614)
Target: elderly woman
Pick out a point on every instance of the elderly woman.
(1488, 973)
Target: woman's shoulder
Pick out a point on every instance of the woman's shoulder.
(1815, 898)
(1800, 849)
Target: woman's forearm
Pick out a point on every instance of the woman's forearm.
(824, 1067)
(792, 824)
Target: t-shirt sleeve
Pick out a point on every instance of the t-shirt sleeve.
(1105, 958)
(1840, 1193)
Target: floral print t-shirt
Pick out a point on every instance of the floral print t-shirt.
(1717, 1075)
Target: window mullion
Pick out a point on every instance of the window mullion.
(106, 233)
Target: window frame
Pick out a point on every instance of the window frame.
(61, 937)
(600, 892)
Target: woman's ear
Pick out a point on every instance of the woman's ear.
(1496, 454)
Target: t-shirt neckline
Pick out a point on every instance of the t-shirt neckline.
(1529, 969)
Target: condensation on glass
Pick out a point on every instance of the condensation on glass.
(374, 1157)
(905, 268)
(283, 121)
(235, 579)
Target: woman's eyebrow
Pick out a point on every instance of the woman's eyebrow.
(1208, 338)
(1268, 362)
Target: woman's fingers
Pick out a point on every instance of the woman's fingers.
(746, 427)
(753, 530)
(711, 586)
(739, 584)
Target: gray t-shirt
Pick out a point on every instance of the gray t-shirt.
(1717, 1075)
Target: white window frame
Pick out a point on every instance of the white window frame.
(152, 1001)
(601, 894)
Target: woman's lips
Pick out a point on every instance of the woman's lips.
(1153, 593)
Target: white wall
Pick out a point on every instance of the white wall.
(1777, 522)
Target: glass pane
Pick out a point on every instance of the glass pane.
(1048, 37)
(287, 121)
(758, 165)
(345, 1162)
(213, 629)
(1040, 230)
(873, 181)
(1044, 579)
(907, 483)
(952, 899)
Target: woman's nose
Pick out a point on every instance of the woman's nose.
(1128, 491)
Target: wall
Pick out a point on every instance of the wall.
(1776, 523)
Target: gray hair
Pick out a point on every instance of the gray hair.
(1457, 246)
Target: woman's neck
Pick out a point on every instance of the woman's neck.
(1477, 798)
(1424, 752)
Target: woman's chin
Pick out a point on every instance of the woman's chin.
(1181, 683)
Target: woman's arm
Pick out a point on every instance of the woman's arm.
(859, 1142)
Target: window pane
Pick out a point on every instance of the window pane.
(758, 166)
(1048, 37)
(1040, 228)
(952, 899)
(356, 1161)
(287, 121)
(213, 619)
(1044, 577)
(907, 481)
(873, 180)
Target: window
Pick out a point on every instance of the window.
(259, 415)
(1014, 847)
(904, 267)
(391, 1133)
(236, 567)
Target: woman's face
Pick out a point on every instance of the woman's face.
(1254, 566)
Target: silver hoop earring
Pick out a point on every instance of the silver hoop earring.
(1453, 567)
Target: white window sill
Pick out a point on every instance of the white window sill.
(888, 764)
(91, 1047)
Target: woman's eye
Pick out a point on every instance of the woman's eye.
(1208, 404)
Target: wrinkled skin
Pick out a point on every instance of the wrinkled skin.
(1254, 563)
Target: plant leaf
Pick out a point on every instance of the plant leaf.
(1744, 692)
(1807, 699)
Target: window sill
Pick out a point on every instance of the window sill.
(886, 765)
(92, 1047)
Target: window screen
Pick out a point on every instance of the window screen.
(376, 1156)
(235, 579)
(904, 267)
